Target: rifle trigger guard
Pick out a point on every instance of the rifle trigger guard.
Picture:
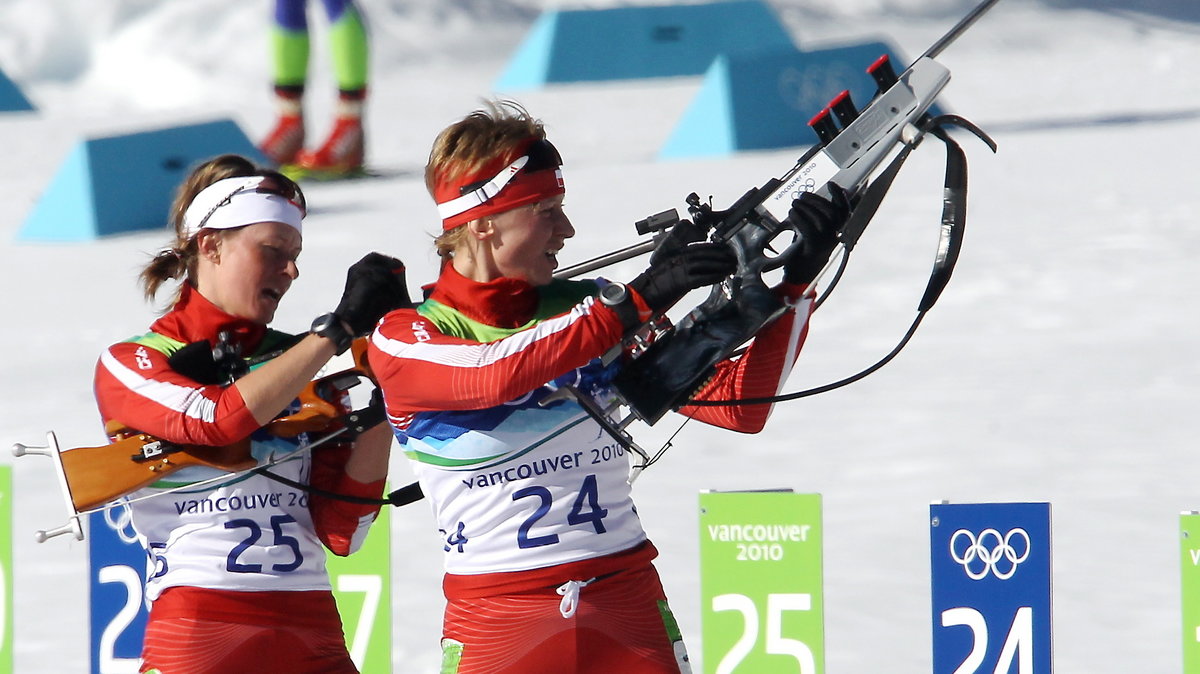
(777, 261)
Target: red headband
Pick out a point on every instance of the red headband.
(528, 174)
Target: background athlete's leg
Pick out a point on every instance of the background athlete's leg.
(343, 150)
(289, 56)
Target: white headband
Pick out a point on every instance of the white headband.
(237, 202)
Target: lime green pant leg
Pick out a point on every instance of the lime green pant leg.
(290, 56)
(349, 51)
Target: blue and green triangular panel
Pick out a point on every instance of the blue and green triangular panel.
(11, 98)
(764, 100)
(620, 43)
(707, 125)
(65, 211)
(126, 183)
(529, 66)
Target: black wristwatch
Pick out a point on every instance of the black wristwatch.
(332, 327)
(617, 296)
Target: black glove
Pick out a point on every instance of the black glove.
(374, 286)
(208, 365)
(681, 234)
(682, 268)
(819, 221)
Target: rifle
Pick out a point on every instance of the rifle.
(91, 477)
(666, 365)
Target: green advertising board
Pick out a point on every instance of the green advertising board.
(6, 575)
(762, 605)
(363, 590)
(1189, 543)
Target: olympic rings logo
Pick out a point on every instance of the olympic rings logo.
(120, 519)
(809, 185)
(978, 559)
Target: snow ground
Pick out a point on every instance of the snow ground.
(1058, 366)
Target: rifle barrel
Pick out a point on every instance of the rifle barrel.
(606, 260)
(959, 28)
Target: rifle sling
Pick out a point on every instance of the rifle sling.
(410, 493)
(954, 213)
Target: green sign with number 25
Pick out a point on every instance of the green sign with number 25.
(762, 607)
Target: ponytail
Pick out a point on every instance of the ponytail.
(169, 263)
(178, 261)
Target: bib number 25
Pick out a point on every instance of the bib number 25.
(253, 532)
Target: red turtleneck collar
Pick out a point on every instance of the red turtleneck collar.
(502, 303)
(194, 318)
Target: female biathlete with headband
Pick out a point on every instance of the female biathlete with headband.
(547, 566)
(238, 581)
(343, 150)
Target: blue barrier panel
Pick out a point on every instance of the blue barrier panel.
(117, 569)
(126, 183)
(635, 42)
(991, 569)
(11, 98)
(764, 100)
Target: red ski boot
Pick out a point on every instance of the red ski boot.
(342, 153)
(285, 141)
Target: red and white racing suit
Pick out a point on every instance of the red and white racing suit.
(548, 567)
(237, 566)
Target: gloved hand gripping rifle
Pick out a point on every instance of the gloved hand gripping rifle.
(668, 369)
(93, 478)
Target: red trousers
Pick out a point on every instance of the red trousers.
(621, 624)
(195, 631)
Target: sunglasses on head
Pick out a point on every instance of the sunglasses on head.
(282, 186)
(539, 156)
(270, 182)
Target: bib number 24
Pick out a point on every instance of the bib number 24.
(585, 510)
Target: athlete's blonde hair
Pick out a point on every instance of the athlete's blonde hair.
(463, 148)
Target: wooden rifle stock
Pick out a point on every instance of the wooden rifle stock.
(99, 475)
(320, 406)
